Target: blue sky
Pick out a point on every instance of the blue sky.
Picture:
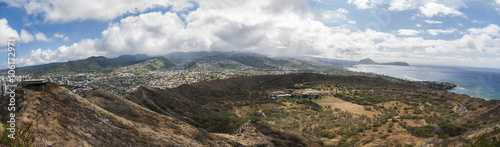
(449, 32)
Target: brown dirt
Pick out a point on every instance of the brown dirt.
(415, 122)
(311, 91)
(401, 138)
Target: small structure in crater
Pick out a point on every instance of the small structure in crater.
(35, 84)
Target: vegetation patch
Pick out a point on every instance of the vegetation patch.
(423, 131)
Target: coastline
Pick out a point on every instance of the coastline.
(483, 85)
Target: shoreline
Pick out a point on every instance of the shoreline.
(406, 78)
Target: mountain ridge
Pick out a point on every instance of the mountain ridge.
(90, 64)
(188, 60)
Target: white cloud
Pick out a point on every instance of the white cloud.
(365, 4)
(6, 32)
(401, 5)
(273, 28)
(62, 36)
(490, 30)
(352, 22)
(432, 9)
(477, 21)
(84, 49)
(41, 37)
(282, 25)
(66, 11)
(433, 22)
(26, 36)
(435, 32)
(418, 25)
(148, 32)
(478, 41)
(408, 32)
(483, 40)
(337, 16)
(219, 25)
(498, 1)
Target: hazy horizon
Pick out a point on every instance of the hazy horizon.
(294, 57)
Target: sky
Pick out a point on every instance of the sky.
(429, 32)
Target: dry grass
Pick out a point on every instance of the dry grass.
(345, 105)
(311, 91)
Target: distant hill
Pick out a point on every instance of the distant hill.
(160, 62)
(333, 62)
(370, 61)
(143, 66)
(215, 60)
(254, 60)
(367, 61)
(91, 64)
(251, 60)
(185, 57)
(128, 58)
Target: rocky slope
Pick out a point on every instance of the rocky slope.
(59, 117)
(62, 118)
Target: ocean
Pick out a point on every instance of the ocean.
(476, 82)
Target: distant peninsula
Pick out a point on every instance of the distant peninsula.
(370, 61)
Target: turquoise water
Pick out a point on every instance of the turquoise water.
(476, 82)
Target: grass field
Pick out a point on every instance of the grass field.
(345, 106)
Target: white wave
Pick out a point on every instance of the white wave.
(411, 78)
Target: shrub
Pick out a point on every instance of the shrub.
(298, 140)
(276, 141)
(417, 111)
(368, 108)
(327, 134)
(385, 136)
(321, 142)
(24, 136)
(444, 136)
(471, 108)
(453, 129)
(423, 131)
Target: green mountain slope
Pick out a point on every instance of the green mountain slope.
(91, 64)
